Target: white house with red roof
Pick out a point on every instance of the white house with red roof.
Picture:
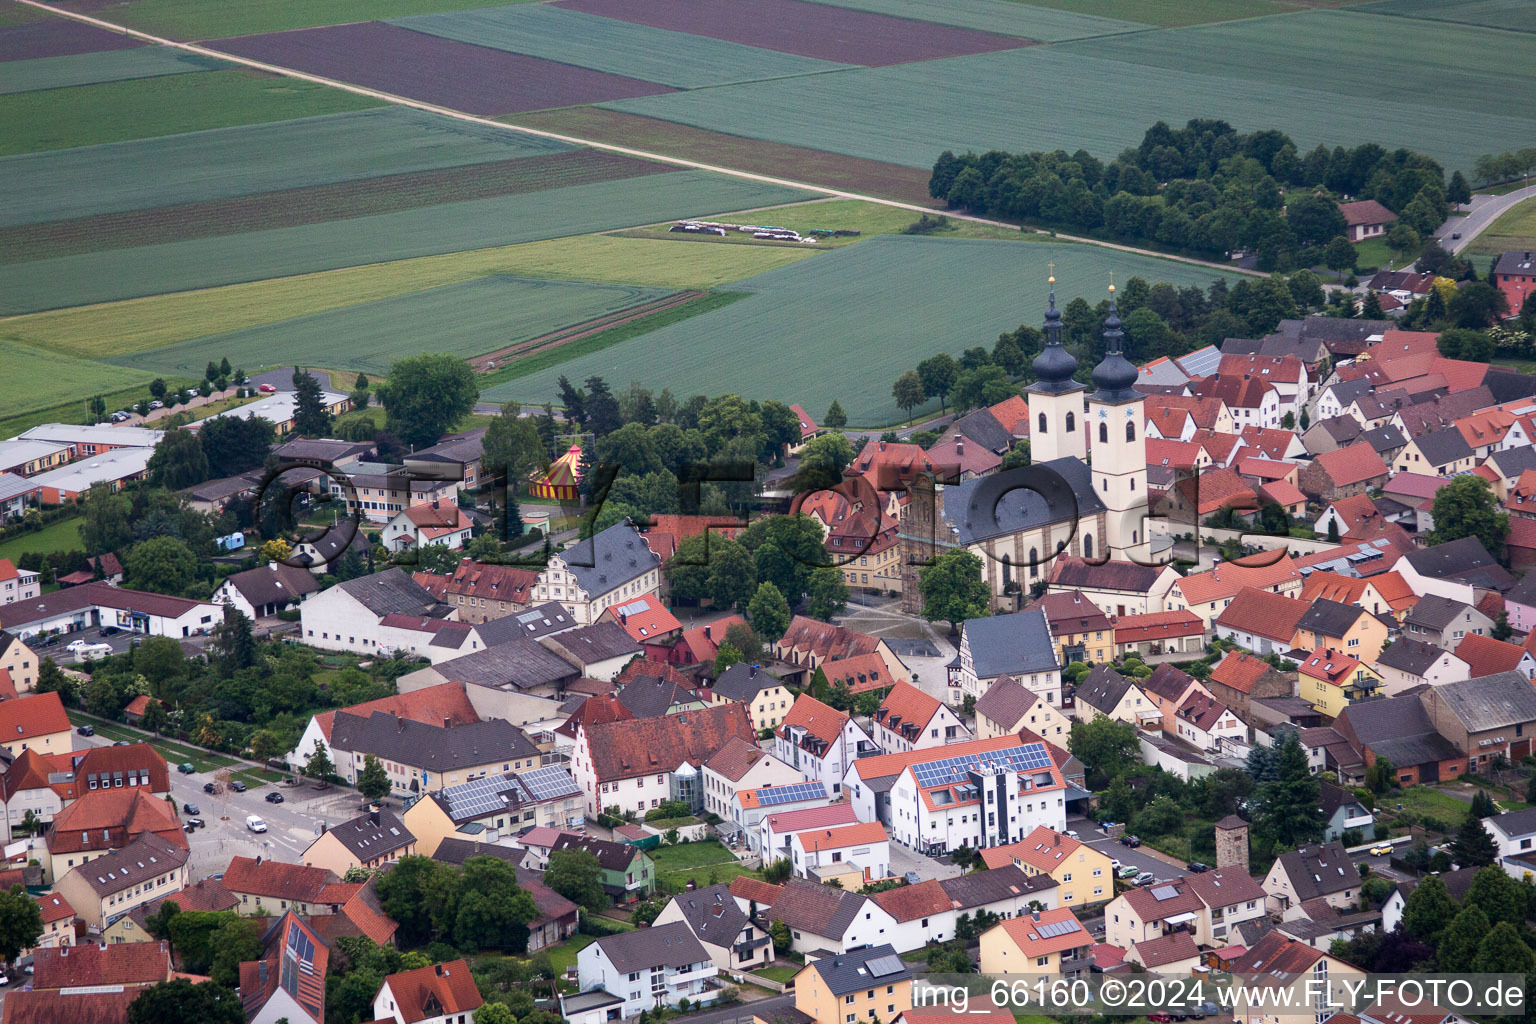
(821, 742)
(18, 584)
(776, 830)
(422, 525)
(909, 719)
(1208, 724)
(646, 620)
(824, 853)
(1366, 219)
(808, 428)
(439, 994)
(446, 704)
(741, 765)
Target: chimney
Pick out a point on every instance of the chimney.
(447, 722)
(752, 672)
(706, 633)
(1035, 915)
(1058, 838)
(959, 445)
(439, 969)
(882, 443)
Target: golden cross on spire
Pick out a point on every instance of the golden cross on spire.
(1052, 278)
(1111, 282)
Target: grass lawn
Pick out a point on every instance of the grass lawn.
(707, 874)
(172, 751)
(688, 855)
(564, 955)
(1427, 802)
(63, 535)
(1515, 230)
(783, 975)
(87, 115)
(1374, 252)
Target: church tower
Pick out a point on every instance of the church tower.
(1117, 419)
(1056, 429)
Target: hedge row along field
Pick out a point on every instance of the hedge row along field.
(851, 314)
(315, 205)
(136, 325)
(1003, 16)
(797, 26)
(449, 227)
(199, 19)
(35, 379)
(464, 319)
(88, 115)
(618, 47)
(475, 79)
(94, 68)
(1519, 15)
(1062, 96)
(58, 37)
(226, 162)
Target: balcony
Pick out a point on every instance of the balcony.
(691, 973)
(743, 949)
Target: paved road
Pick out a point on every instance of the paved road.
(1142, 857)
(1481, 212)
(740, 1013)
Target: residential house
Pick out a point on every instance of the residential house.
(34, 723)
(496, 807)
(1399, 731)
(1342, 812)
(522, 681)
(1118, 588)
(775, 830)
(444, 993)
(446, 705)
(1330, 680)
(1514, 832)
(1407, 663)
(1486, 656)
(115, 883)
(1252, 401)
(653, 967)
(207, 895)
(1441, 452)
(742, 765)
(1343, 473)
(130, 966)
(481, 591)
(909, 719)
(735, 937)
(854, 854)
(810, 643)
(1174, 953)
(1514, 274)
(649, 696)
(1366, 219)
(1009, 706)
(1239, 679)
(628, 871)
(1344, 627)
(1081, 631)
(18, 661)
(1156, 633)
(1287, 973)
(439, 524)
(820, 742)
(610, 568)
(421, 757)
(1260, 621)
(1105, 693)
(854, 986)
(18, 584)
(635, 764)
(347, 616)
(1385, 593)
(1043, 942)
(1207, 593)
(1083, 875)
(761, 692)
(101, 821)
(821, 917)
(457, 457)
(257, 593)
(28, 786)
(266, 888)
(646, 620)
(1210, 906)
(58, 921)
(288, 982)
(1168, 689)
(1485, 717)
(379, 491)
(1018, 645)
(368, 841)
(1315, 871)
(1208, 725)
(1461, 570)
(1445, 622)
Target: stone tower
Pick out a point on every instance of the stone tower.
(1055, 398)
(1116, 416)
(920, 536)
(1232, 843)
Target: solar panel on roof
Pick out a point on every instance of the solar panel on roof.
(1055, 928)
(790, 794)
(950, 770)
(634, 607)
(527, 617)
(1164, 892)
(880, 966)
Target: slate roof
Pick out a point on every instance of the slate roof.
(817, 909)
(647, 697)
(854, 971)
(539, 621)
(1014, 644)
(610, 559)
(985, 429)
(145, 858)
(1399, 729)
(1435, 612)
(430, 746)
(651, 746)
(1465, 560)
(1490, 702)
(392, 590)
(666, 945)
(1319, 870)
(986, 507)
(520, 664)
(1101, 689)
(1443, 447)
(1077, 574)
(713, 914)
(1329, 618)
(600, 641)
(373, 835)
(1006, 702)
(1411, 656)
(274, 584)
(742, 682)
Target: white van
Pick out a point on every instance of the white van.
(254, 823)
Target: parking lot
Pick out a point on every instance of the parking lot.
(1160, 864)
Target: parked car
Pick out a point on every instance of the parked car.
(209, 787)
(1379, 850)
(1130, 871)
(187, 768)
(1160, 1017)
(1070, 834)
(1194, 867)
(157, 404)
(254, 823)
(1145, 878)
(267, 389)
(1130, 840)
(237, 786)
(197, 822)
(86, 730)
(274, 797)
(110, 631)
(913, 878)
(192, 809)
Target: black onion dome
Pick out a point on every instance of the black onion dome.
(1115, 376)
(1054, 366)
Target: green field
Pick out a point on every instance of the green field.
(227, 162)
(1519, 15)
(35, 379)
(618, 47)
(1375, 252)
(868, 219)
(94, 68)
(1049, 23)
(1081, 94)
(451, 227)
(1170, 13)
(139, 324)
(1514, 230)
(465, 319)
(63, 535)
(845, 323)
(88, 115)
(198, 19)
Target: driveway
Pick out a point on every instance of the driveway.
(927, 868)
(741, 1013)
(1160, 864)
(1482, 211)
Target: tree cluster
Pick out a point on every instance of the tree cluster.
(473, 907)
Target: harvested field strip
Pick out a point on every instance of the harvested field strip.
(199, 19)
(451, 227)
(1005, 16)
(464, 319)
(475, 79)
(118, 328)
(871, 177)
(1350, 54)
(619, 47)
(35, 379)
(227, 162)
(1516, 15)
(796, 26)
(292, 207)
(93, 68)
(887, 303)
(490, 360)
(910, 114)
(1171, 13)
(497, 384)
(88, 115)
(58, 37)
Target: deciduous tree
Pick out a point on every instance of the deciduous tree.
(768, 612)
(953, 590)
(576, 875)
(426, 396)
(1466, 507)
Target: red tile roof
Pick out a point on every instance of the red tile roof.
(1484, 655)
(860, 673)
(1154, 626)
(123, 963)
(111, 819)
(1366, 212)
(1043, 849)
(1216, 488)
(1230, 577)
(1352, 465)
(907, 705)
(296, 883)
(862, 833)
(1330, 666)
(736, 758)
(910, 902)
(51, 1006)
(1281, 492)
(812, 638)
(434, 991)
(1166, 949)
(1239, 670)
(755, 889)
(31, 717)
(1027, 933)
(1149, 908)
(786, 822)
(54, 907)
(499, 582)
(1068, 611)
(704, 641)
(807, 425)
(430, 705)
(817, 719)
(649, 746)
(1013, 413)
(108, 760)
(1263, 613)
(644, 618)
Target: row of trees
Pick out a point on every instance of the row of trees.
(1205, 188)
